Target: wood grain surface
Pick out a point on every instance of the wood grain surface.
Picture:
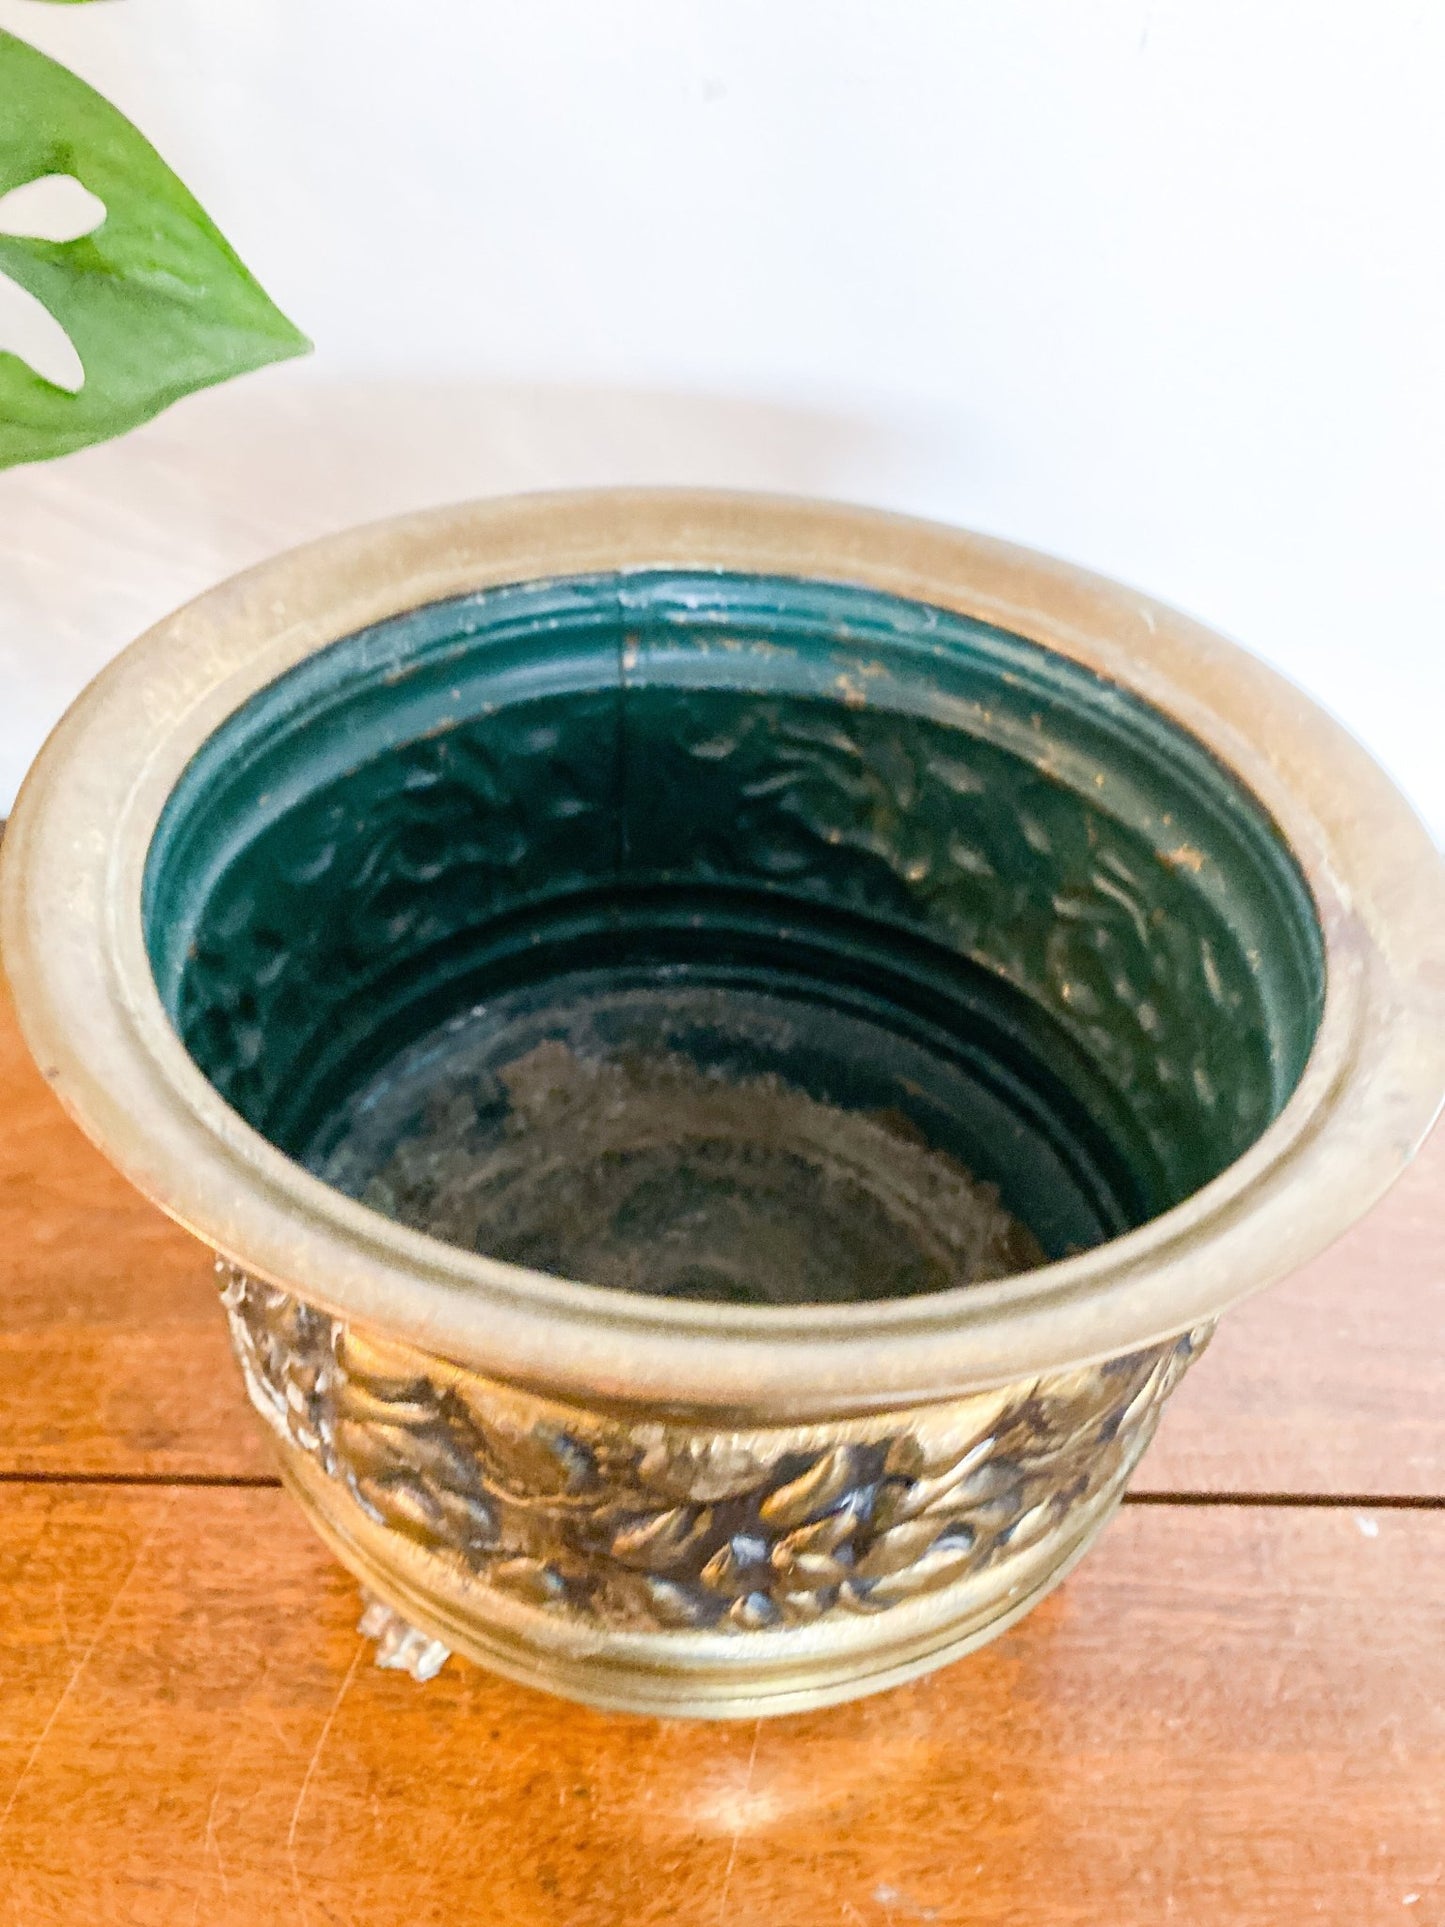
(1227, 1716)
(1233, 1714)
(112, 1357)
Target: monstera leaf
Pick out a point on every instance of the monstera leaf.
(154, 300)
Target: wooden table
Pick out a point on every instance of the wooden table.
(1233, 1712)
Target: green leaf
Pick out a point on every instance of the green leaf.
(155, 301)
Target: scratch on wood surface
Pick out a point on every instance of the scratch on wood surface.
(727, 1880)
(316, 1752)
(78, 1666)
(211, 1846)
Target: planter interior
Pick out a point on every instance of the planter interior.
(732, 937)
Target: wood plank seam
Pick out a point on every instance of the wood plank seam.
(261, 1482)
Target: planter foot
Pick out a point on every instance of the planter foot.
(400, 1646)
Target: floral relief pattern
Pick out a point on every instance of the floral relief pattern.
(364, 879)
(664, 1525)
(1003, 853)
(996, 855)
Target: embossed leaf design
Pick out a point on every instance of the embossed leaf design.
(816, 1541)
(529, 1579)
(939, 1567)
(355, 1399)
(667, 1602)
(972, 1481)
(754, 1613)
(380, 1364)
(826, 1480)
(735, 1568)
(406, 1503)
(802, 1608)
(433, 1453)
(666, 1539)
(155, 300)
(472, 1522)
(900, 1546)
(688, 1467)
(1031, 1525)
(533, 1462)
(753, 1540)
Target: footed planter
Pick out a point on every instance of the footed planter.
(731, 1051)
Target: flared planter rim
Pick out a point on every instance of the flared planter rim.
(75, 951)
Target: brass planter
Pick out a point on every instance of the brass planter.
(920, 855)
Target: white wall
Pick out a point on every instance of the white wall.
(1156, 284)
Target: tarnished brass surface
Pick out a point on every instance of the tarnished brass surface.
(702, 1507)
(695, 1551)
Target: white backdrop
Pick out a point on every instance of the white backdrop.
(1158, 285)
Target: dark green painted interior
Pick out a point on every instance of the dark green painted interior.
(814, 789)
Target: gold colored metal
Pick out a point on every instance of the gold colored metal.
(664, 1566)
(661, 1505)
